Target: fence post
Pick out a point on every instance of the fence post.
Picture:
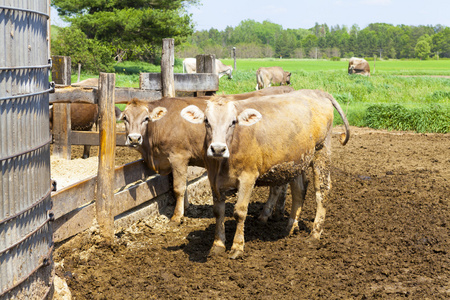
(105, 178)
(61, 70)
(167, 62)
(205, 63)
(61, 130)
(234, 57)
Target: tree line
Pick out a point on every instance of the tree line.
(104, 32)
(257, 40)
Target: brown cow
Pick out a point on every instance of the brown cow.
(168, 143)
(269, 140)
(358, 66)
(265, 77)
(83, 116)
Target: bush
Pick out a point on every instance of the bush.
(432, 118)
(335, 58)
(94, 56)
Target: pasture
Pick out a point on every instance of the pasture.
(387, 227)
(401, 94)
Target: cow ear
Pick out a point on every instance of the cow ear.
(157, 113)
(193, 114)
(249, 117)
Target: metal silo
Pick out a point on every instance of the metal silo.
(26, 269)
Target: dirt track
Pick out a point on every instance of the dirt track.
(386, 236)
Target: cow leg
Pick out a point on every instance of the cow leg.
(240, 214)
(86, 151)
(179, 172)
(277, 195)
(218, 246)
(322, 185)
(298, 191)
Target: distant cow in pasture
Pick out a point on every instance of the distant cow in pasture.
(190, 66)
(265, 77)
(269, 140)
(83, 116)
(358, 66)
(168, 143)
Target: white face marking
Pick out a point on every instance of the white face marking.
(220, 122)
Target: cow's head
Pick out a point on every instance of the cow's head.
(220, 119)
(351, 69)
(136, 116)
(230, 72)
(287, 78)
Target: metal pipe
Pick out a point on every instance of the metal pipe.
(50, 90)
(25, 10)
(25, 67)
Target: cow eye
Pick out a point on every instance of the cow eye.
(146, 119)
(207, 123)
(233, 123)
(124, 118)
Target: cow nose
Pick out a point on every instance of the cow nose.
(134, 139)
(218, 150)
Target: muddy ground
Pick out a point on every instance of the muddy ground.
(386, 236)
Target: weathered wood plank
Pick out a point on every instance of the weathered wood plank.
(73, 196)
(79, 218)
(73, 223)
(197, 82)
(123, 95)
(167, 62)
(131, 172)
(89, 95)
(73, 94)
(61, 130)
(107, 153)
(140, 193)
(61, 69)
(150, 81)
(91, 138)
(183, 82)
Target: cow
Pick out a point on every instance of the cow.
(168, 143)
(83, 116)
(268, 140)
(190, 66)
(358, 66)
(265, 77)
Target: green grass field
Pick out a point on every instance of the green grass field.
(400, 94)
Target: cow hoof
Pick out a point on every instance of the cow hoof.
(312, 242)
(263, 219)
(175, 220)
(234, 254)
(216, 251)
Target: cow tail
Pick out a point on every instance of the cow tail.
(344, 136)
(184, 67)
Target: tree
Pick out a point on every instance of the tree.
(136, 27)
(422, 49)
(441, 43)
(91, 54)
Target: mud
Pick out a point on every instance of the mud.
(386, 236)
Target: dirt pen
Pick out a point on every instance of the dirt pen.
(386, 236)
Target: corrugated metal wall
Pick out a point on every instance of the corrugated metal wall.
(26, 269)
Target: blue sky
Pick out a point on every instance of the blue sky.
(304, 14)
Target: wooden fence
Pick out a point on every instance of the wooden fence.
(116, 191)
(152, 86)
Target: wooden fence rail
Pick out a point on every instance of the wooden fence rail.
(107, 195)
